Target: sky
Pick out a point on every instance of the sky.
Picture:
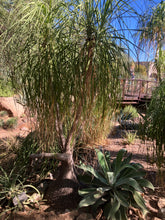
(141, 6)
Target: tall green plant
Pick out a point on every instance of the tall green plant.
(154, 123)
(67, 57)
(151, 34)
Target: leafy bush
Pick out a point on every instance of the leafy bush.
(115, 186)
(11, 122)
(154, 123)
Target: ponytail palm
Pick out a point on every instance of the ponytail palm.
(152, 31)
(66, 58)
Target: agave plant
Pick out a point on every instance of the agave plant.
(115, 186)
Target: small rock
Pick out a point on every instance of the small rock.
(35, 197)
(20, 198)
(24, 129)
(161, 203)
(161, 213)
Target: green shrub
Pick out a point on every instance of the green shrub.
(130, 110)
(115, 186)
(128, 113)
(11, 122)
(3, 113)
(154, 123)
(129, 137)
(127, 116)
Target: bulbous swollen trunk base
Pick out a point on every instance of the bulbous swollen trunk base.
(62, 193)
(66, 170)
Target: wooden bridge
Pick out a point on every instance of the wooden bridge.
(137, 91)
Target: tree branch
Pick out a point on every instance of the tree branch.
(59, 128)
(58, 156)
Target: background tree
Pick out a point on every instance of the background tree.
(66, 58)
(152, 29)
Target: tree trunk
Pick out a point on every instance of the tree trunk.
(62, 193)
(67, 168)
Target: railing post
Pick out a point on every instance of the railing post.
(140, 89)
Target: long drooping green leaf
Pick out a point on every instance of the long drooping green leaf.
(131, 182)
(90, 200)
(92, 171)
(84, 192)
(140, 201)
(114, 208)
(118, 160)
(120, 197)
(145, 183)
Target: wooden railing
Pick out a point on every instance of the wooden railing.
(137, 90)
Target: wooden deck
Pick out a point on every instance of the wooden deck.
(137, 91)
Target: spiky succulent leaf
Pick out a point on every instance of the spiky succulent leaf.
(140, 201)
(92, 171)
(130, 182)
(90, 199)
(119, 159)
(127, 159)
(145, 183)
(115, 205)
(108, 159)
(84, 192)
(102, 162)
(121, 198)
(110, 176)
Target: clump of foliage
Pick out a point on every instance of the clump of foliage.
(154, 123)
(127, 117)
(13, 192)
(28, 146)
(114, 186)
(11, 122)
(3, 113)
(129, 137)
(6, 89)
(130, 112)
